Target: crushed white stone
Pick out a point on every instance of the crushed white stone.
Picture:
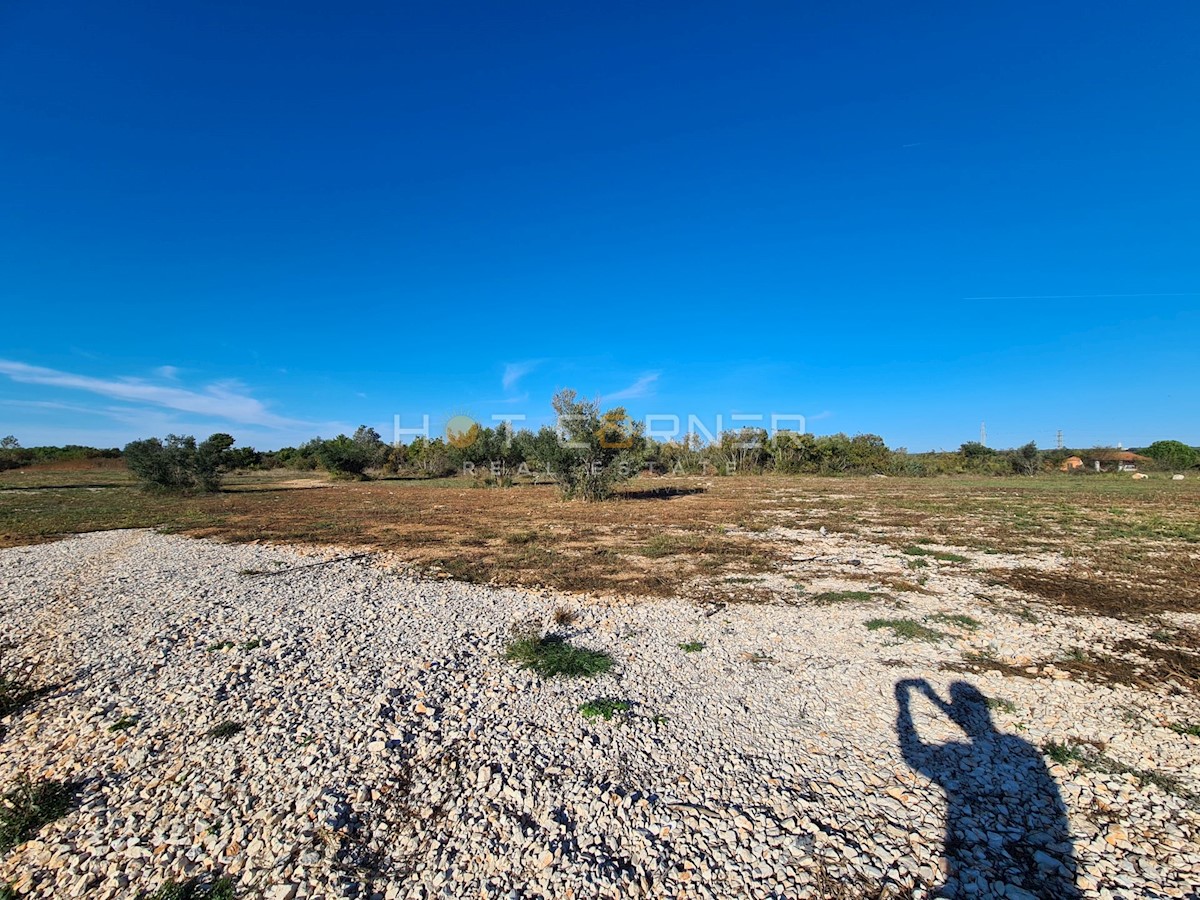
(390, 751)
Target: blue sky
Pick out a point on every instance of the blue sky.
(284, 220)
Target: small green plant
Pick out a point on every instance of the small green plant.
(220, 645)
(551, 656)
(957, 619)
(251, 572)
(906, 629)
(936, 554)
(603, 707)
(28, 805)
(252, 644)
(226, 729)
(7, 892)
(193, 889)
(123, 723)
(918, 563)
(1001, 704)
(1062, 753)
(1180, 728)
(828, 598)
(1077, 654)
(691, 646)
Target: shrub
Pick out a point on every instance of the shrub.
(344, 457)
(179, 464)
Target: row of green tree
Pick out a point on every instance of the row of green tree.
(14, 456)
(590, 453)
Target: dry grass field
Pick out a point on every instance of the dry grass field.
(1125, 548)
(1131, 548)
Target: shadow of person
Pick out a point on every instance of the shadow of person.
(1006, 826)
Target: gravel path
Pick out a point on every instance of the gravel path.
(388, 749)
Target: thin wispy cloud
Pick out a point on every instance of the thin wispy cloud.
(639, 388)
(169, 372)
(514, 372)
(227, 400)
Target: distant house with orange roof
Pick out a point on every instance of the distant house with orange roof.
(1116, 460)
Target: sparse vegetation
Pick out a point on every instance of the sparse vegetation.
(217, 646)
(691, 646)
(551, 656)
(123, 724)
(1001, 704)
(958, 620)
(194, 889)
(564, 616)
(828, 598)
(1064, 754)
(226, 729)
(944, 556)
(1189, 729)
(603, 707)
(757, 658)
(905, 629)
(27, 805)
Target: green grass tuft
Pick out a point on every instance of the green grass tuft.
(193, 889)
(907, 629)
(959, 619)
(551, 656)
(123, 723)
(1180, 728)
(226, 729)
(28, 805)
(605, 707)
(691, 646)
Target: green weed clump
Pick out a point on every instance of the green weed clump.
(226, 729)
(603, 707)
(193, 889)
(936, 554)
(906, 629)
(28, 805)
(551, 656)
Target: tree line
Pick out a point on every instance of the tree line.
(587, 455)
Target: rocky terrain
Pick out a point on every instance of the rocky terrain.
(313, 726)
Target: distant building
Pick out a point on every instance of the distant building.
(1071, 463)
(1115, 460)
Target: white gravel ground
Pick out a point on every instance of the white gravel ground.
(389, 750)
